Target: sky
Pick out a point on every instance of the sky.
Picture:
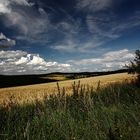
(43, 36)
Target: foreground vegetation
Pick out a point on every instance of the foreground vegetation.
(108, 113)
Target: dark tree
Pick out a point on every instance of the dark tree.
(134, 66)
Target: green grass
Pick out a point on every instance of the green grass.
(110, 113)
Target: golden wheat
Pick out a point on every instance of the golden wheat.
(31, 93)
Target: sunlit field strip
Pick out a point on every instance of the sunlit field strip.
(31, 93)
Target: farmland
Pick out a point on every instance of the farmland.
(96, 108)
(30, 93)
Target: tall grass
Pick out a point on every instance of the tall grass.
(109, 113)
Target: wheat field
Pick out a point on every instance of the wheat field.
(31, 93)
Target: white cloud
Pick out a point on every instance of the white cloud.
(93, 5)
(118, 55)
(28, 24)
(67, 46)
(2, 36)
(101, 29)
(36, 60)
(101, 26)
(22, 2)
(110, 61)
(72, 45)
(105, 26)
(5, 5)
(21, 62)
(68, 27)
(34, 25)
(108, 25)
(6, 42)
(12, 54)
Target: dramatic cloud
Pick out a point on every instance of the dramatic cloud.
(5, 5)
(73, 45)
(92, 29)
(21, 62)
(22, 2)
(101, 27)
(27, 25)
(22, 16)
(93, 5)
(67, 46)
(74, 30)
(107, 26)
(108, 61)
(6, 42)
(34, 24)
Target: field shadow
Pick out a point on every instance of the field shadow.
(21, 80)
(14, 81)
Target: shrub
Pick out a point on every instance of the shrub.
(134, 66)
